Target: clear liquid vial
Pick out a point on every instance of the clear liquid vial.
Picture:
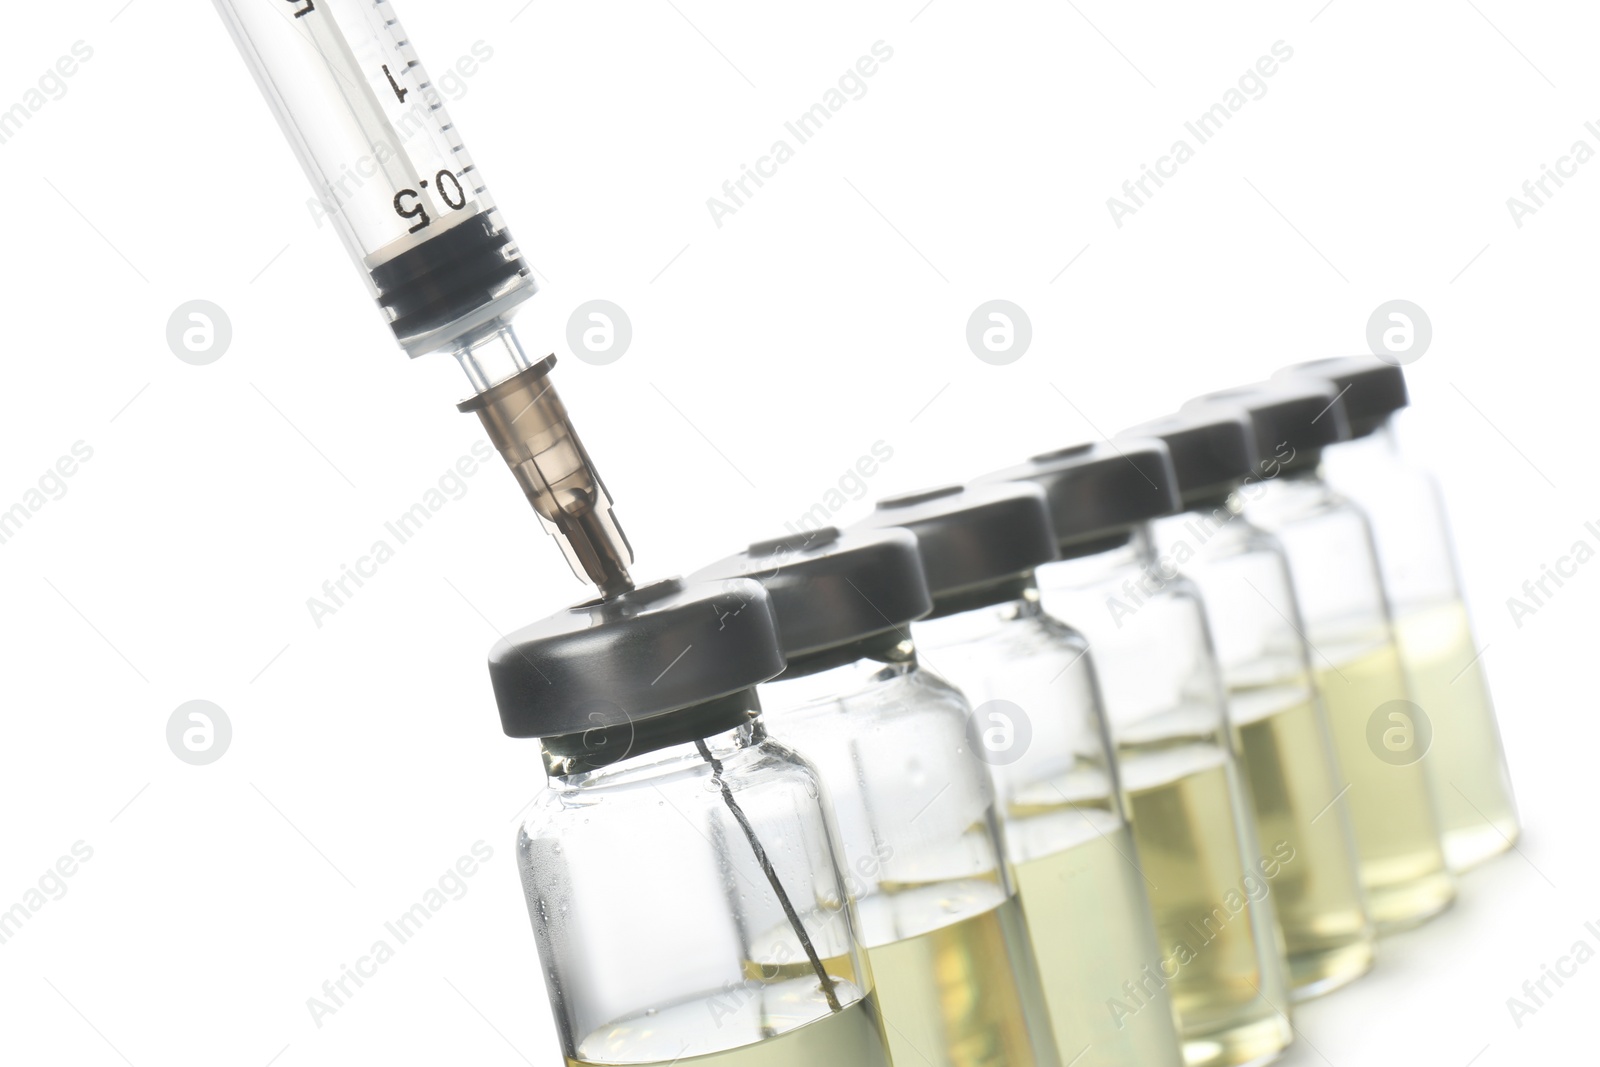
(1472, 785)
(680, 868)
(955, 973)
(1210, 881)
(1355, 657)
(1279, 725)
(1035, 719)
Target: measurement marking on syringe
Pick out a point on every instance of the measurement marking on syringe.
(399, 93)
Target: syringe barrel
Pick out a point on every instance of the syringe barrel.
(389, 167)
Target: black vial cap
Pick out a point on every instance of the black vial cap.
(978, 544)
(1372, 390)
(831, 589)
(635, 660)
(1213, 451)
(1294, 420)
(1099, 492)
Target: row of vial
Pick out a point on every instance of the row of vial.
(1106, 759)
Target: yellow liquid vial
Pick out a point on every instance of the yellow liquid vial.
(1219, 949)
(667, 1038)
(1403, 867)
(955, 996)
(1294, 786)
(1471, 786)
(1087, 914)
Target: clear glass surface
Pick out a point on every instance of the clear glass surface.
(661, 927)
(1211, 881)
(1363, 684)
(1472, 784)
(1040, 726)
(925, 857)
(1281, 731)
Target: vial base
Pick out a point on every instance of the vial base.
(1294, 787)
(1095, 944)
(966, 993)
(851, 1036)
(1471, 785)
(1244, 1046)
(1391, 804)
(1219, 949)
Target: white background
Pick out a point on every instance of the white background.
(769, 354)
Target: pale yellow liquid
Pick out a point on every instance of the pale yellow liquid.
(1092, 933)
(1471, 786)
(1397, 829)
(964, 995)
(844, 1038)
(1293, 784)
(1228, 986)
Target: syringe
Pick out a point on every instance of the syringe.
(395, 178)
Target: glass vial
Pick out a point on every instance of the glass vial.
(1036, 721)
(954, 971)
(1472, 785)
(1210, 882)
(680, 869)
(1357, 662)
(1280, 728)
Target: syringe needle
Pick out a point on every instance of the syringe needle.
(528, 423)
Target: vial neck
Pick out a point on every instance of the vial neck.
(1303, 484)
(976, 624)
(838, 673)
(1096, 568)
(1293, 495)
(1381, 445)
(1204, 532)
(996, 594)
(645, 746)
(1210, 501)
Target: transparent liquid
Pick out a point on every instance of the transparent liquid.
(963, 995)
(1294, 783)
(671, 1036)
(1219, 951)
(1391, 807)
(1471, 786)
(1086, 911)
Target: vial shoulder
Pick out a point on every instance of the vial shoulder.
(891, 703)
(1212, 541)
(1060, 636)
(682, 781)
(1284, 502)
